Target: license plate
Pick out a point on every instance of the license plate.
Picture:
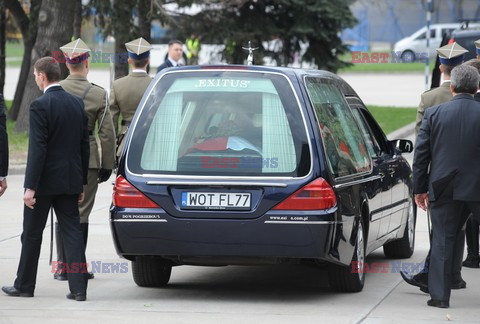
(216, 200)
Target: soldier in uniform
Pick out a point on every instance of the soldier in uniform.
(450, 55)
(128, 91)
(101, 163)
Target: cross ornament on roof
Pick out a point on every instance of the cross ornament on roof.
(250, 50)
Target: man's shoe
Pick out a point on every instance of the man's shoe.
(62, 276)
(90, 275)
(77, 297)
(419, 280)
(14, 292)
(438, 303)
(472, 261)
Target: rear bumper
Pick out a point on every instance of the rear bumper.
(270, 236)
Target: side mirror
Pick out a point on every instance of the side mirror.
(402, 145)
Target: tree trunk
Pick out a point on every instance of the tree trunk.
(55, 29)
(29, 34)
(3, 25)
(77, 20)
(122, 28)
(145, 21)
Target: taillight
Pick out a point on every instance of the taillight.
(127, 196)
(316, 195)
(451, 41)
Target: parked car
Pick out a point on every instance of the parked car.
(227, 165)
(415, 44)
(466, 38)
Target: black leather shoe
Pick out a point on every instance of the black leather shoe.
(12, 291)
(472, 261)
(438, 303)
(419, 280)
(77, 297)
(90, 275)
(62, 276)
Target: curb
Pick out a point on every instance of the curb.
(403, 132)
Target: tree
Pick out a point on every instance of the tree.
(282, 29)
(28, 28)
(55, 28)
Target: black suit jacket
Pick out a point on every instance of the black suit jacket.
(58, 148)
(165, 65)
(449, 139)
(3, 139)
(477, 96)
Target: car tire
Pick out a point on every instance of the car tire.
(150, 271)
(344, 278)
(408, 56)
(404, 247)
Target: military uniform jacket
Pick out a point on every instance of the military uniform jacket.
(449, 140)
(58, 149)
(98, 113)
(127, 92)
(432, 98)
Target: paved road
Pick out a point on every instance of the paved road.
(234, 294)
(382, 89)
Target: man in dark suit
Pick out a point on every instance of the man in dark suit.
(472, 230)
(452, 186)
(3, 147)
(57, 168)
(175, 53)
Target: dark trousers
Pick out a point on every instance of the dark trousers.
(448, 218)
(457, 256)
(472, 236)
(34, 220)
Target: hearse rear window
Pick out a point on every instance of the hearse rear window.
(220, 123)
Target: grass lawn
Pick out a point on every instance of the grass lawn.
(17, 142)
(384, 67)
(392, 118)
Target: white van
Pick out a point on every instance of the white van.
(417, 42)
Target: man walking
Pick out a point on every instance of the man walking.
(128, 91)
(452, 186)
(100, 166)
(57, 168)
(3, 147)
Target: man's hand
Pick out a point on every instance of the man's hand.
(3, 186)
(104, 175)
(29, 198)
(81, 197)
(422, 200)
